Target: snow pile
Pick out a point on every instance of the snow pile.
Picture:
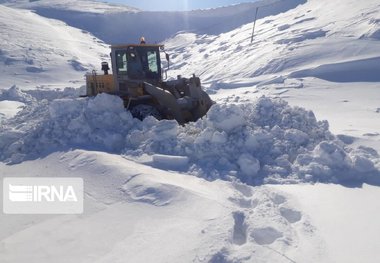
(267, 141)
(50, 125)
(264, 141)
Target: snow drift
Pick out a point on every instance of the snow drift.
(366, 70)
(264, 141)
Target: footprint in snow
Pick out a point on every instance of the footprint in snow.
(239, 234)
(244, 202)
(266, 235)
(278, 199)
(245, 190)
(220, 257)
(292, 216)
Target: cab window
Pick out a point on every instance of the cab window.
(152, 61)
(121, 62)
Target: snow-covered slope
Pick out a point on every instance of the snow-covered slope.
(36, 51)
(89, 6)
(159, 192)
(309, 40)
(120, 26)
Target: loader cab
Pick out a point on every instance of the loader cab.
(136, 63)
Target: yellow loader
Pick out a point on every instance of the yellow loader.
(138, 79)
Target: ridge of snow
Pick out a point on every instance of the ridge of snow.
(264, 141)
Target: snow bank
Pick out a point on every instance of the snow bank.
(265, 141)
(32, 96)
(363, 70)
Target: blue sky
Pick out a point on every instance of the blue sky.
(170, 5)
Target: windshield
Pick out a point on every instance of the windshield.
(150, 63)
(139, 62)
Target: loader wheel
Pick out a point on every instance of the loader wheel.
(143, 110)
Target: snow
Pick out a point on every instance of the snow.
(168, 213)
(284, 167)
(9, 108)
(321, 202)
(314, 38)
(90, 6)
(36, 51)
(365, 70)
(118, 24)
(170, 161)
(265, 140)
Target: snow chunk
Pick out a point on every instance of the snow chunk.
(64, 107)
(296, 136)
(170, 161)
(226, 117)
(248, 164)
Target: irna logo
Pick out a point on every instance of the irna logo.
(46, 195)
(40, 193)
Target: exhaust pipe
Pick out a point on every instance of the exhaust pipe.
(105, 67)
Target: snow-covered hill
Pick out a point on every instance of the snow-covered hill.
(88, 6)
(36, 51)
(159, 192)
(307, 41)
(127, 25)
